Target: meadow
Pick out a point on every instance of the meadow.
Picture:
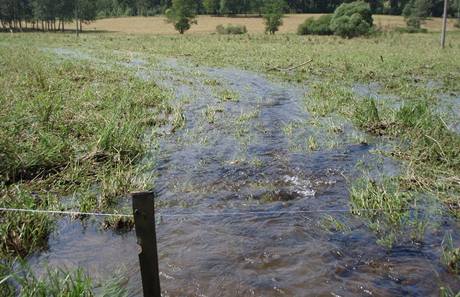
(207, 24)
(78, 115)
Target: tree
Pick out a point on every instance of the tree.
(352, 19)
(182, 14)
(211, 6)
(415, 12)
(376, 6)
(273, 15)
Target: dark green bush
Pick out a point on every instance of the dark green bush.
(231, 29)
(316, 26)
(350, 26)
(349, 9)
(352, 19)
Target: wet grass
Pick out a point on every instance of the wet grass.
(55, 282)
(73, 129)
(450, 255)
(384, 204)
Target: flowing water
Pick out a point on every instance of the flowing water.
(249, 145)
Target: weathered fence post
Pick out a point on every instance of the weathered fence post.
(144, 220)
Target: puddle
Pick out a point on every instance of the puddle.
(236, 155)
(449, 107)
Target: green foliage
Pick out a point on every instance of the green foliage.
(273, 15)
(211, 6)
(318, 26)
(182, 14)
(349, 9)
(418, 8)
(415, 13)
(352, 19)
(231, 29)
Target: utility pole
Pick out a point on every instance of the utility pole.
(76, 17)
(444, 25)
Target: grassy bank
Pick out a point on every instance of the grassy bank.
(67, 129)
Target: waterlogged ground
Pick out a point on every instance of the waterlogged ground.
(253, 193)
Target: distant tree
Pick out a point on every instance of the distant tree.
(352, 19)
(85, 12)
(456, 8)
(211, 6)
(256, 6)
(182, 14)
(272, 13)
(376, 6)
(415, 12)
(228, 7)
(423, 7)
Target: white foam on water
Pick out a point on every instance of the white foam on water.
(301, 186)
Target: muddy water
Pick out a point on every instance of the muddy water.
(245, 148)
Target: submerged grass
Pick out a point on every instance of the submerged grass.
(384, 204)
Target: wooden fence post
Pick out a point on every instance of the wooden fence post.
(144, 220)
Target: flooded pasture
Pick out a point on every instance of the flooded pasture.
(253, 200)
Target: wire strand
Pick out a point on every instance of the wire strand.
(190, 214)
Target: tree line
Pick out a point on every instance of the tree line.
(54, 14)
(46, 15)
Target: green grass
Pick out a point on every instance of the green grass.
(69, 128)
(55, 282)
(447, 292)
(450, 255)
(384, 204)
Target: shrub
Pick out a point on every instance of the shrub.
(273, 15)
(231, 29)
(350, 26)
(349, 9)
(414, 25)
(316, 27)
(181, 15)
(351, 20)
(457, 24)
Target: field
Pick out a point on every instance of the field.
(207, 24)
(283, 165)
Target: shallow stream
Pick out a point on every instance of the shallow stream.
(249, 145)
